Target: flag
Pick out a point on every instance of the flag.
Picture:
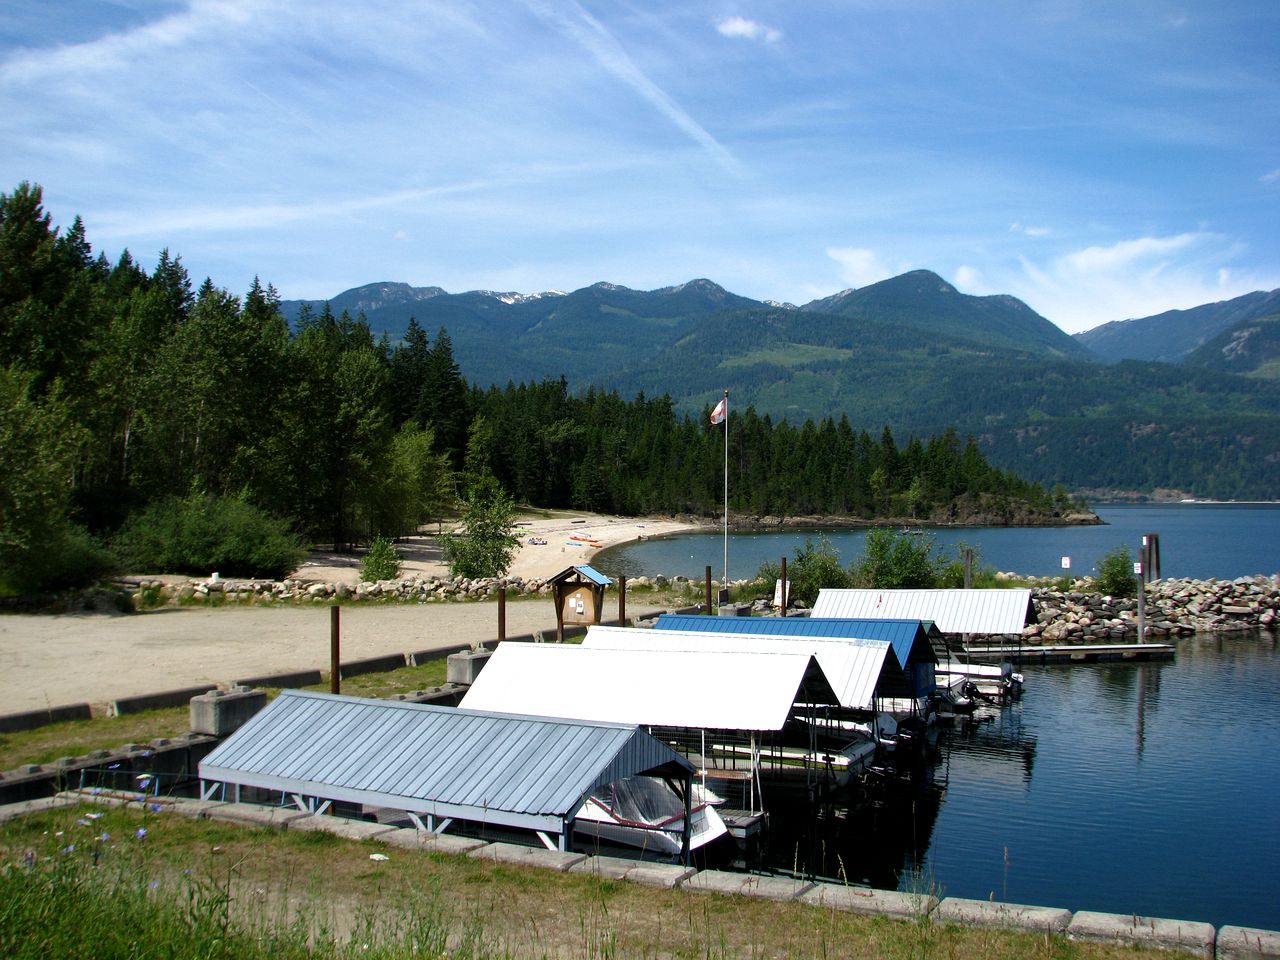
(721, 411)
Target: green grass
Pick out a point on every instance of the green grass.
(73, 738)
(202, 889)
(792, 355)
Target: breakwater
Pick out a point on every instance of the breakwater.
(1174, 607)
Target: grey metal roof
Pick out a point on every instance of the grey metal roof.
(902, 635)
(954, 611)
(530, 772)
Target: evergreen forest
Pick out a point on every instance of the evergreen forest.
(126, 390)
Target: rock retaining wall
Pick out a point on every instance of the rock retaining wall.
(1173, 608)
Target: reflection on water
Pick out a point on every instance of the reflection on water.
(1127, 788)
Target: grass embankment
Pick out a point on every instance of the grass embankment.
(78, 737)
(107, 883)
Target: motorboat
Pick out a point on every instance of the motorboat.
(648, 814)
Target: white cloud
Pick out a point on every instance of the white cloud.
(744, 29)
(589, 33)
(1138, 277)
(1272, 177)
(1026, 231)
(970, 280)
(859, 266)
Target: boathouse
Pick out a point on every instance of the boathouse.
(733, 714)
(955, 612)
(915, 644)
(436, 765)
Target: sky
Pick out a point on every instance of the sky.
(1097, 160)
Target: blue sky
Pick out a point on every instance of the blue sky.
(1098, 160)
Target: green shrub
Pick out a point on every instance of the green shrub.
(485, 545)
(1115, 573)
(200, 534)
(817, 565)
(895, 560)
(382, 562)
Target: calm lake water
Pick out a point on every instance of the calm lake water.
(1196, 540)
(1146, 789)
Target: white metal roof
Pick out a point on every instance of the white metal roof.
(954, 611)
(708, 690)
(529, 772)
(851, 666)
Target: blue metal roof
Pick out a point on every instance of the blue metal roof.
(902, 635)
(530, 772)
(585, 570)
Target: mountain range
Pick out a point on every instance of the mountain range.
(1186, 401)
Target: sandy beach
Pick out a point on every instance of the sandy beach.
(52, 660)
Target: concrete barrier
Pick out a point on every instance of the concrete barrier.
(156, 701)
(299, 678)
(466, 666)
(278, 817)
(418, 657)
(354, 668)
(33, 719)
(527, 856)
(1245, 943)
(11, 811)
(409, 838)
(871, 902)
(220, 714)
(746, 885)
(1008, 916)
(341, 827)
(1187, 936)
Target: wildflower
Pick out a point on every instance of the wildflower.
(154, 807)
(83, 822)
(68, 849)
(140, 833)
(94, 816)
(143, 778)
(29, 858)
(105, 836)
(153, 885)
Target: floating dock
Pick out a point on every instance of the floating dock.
(1074, 653)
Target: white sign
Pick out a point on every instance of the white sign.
(1066, 563)
(1137, 568)
(777, 592)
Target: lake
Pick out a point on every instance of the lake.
(1146, 789)
(1196, 540)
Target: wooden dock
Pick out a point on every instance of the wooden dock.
(1073, 653)
(742, 823)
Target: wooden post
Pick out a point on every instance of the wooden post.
(968, 568)
(622, 601)
(1142, 600)
(502, 614)
(1150, 557)
(708, 590)
(782, 607)
(335, 649)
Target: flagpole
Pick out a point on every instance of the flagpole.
(726, 490)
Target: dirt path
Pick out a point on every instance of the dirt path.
(54, 660)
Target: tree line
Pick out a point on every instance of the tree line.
(124, 390)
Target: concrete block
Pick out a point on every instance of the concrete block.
(299, 678)
(410, 839)
(746, 885)
(11, 811)
(1187, 936)
(278, 817)
(1246, 943)
(114, 798)
(32, 719)
(341, 827)
(606, 868)
(527, 856)
(155, 701)
(384, 664)
(418, 657)
(219, 714)
(865, 900)
(665, 876)
(464, 667)
(195, 809)
(1010, 916)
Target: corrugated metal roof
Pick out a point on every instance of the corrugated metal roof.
(851, 666)
(654, 688)
(902, 634)
(527, 772)
(954, 611)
